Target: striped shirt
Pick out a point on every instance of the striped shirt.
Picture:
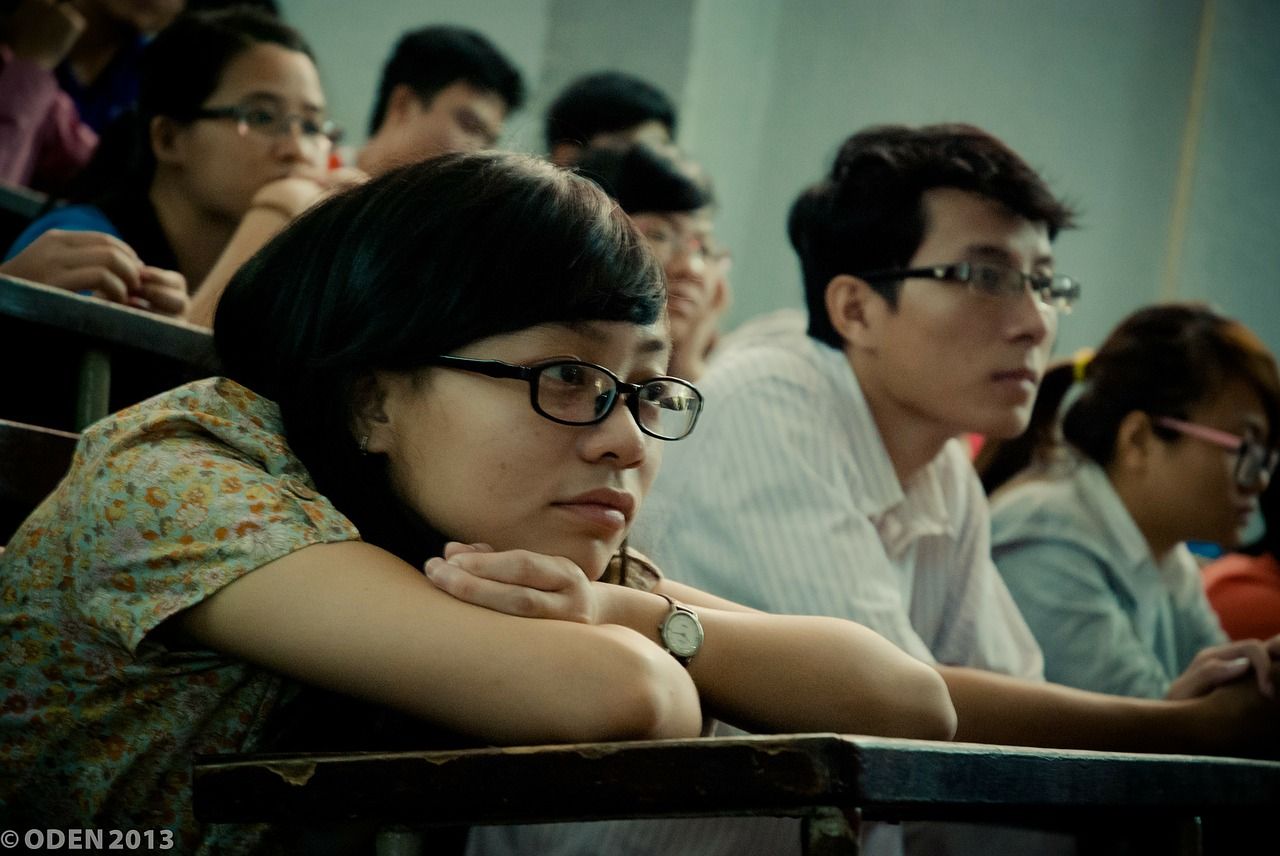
(785, 499)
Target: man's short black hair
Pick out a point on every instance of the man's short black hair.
(603, 103)
(644, 180)
(429, 59)
(868, 212)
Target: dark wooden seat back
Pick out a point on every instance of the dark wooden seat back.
(32, 462)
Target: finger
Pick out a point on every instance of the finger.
(519, 567)
(345, 176)
(1219, 672)
(457, 548)
(81, 240)
(1260, 660)
(164, 299)
(123, 266)
(492, 594)
(165, 290)
(99, 280)
(1273, 646)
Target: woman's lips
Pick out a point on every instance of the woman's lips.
(603, 507)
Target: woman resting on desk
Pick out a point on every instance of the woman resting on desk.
(457, 368)
(1171, 433)
(230, 143)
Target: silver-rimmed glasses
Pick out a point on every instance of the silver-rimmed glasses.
(573, 392)
(266, 116)
(992, 280)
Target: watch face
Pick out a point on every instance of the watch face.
(683, 634)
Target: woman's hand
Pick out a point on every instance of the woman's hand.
(101, 264)
(1221, 664)
(293, 194)
(518, 582)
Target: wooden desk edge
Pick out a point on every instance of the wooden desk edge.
(106, 322)
(777, 775)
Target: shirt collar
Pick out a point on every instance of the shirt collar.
(1098, 493)
(899, 514)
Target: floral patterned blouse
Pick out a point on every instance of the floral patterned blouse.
(165, 503)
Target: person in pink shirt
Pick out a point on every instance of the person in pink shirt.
(43, 142)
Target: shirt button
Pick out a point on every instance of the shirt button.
(300, 490)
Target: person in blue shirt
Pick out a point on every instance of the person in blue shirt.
(231, 142)
(1169, 435)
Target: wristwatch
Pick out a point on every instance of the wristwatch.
(680, 631)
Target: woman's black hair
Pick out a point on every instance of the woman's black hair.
(1162, 360)
(409, 266)
(645, 180)
(181, 67)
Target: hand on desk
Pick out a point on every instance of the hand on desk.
(1220, 664)
(103, 265)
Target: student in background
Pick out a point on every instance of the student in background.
(1169, 435)
(671, 207)
(43, 142)
(443, 89)
(231, 142)
(1244, 587)
(610, 109)
(826, 477)
(398, 399)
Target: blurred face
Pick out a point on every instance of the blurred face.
(220, 164)
(460, 118)
(1191, 481)
(696, 289)
(952, 359)
(470, 454)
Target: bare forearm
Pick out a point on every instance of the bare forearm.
(802, 673)
(996, 708)
(259, 225)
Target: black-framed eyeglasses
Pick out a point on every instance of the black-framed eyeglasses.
(992, 280)
(573, 392)
(1255, 463)
(270, 120)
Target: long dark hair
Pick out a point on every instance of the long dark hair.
(1162, 360)
(407, 267)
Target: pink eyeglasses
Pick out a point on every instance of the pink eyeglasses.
(1255, 463)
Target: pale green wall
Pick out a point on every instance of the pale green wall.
(1095, 93)
(1232, 252)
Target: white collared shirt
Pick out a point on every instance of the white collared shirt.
(1109, 617)
(784, 498)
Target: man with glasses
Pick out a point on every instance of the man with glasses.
(826, 478)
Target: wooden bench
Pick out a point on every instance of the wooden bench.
(32, 462)
(1126, 803)
(70, 360)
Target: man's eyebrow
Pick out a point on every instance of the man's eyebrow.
(996, 253)
(652, 346)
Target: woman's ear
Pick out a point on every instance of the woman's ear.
(854, 309)
(166, 139)
(1135, 441)
(369, 420)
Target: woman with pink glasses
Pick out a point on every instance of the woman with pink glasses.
(1167, 435)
